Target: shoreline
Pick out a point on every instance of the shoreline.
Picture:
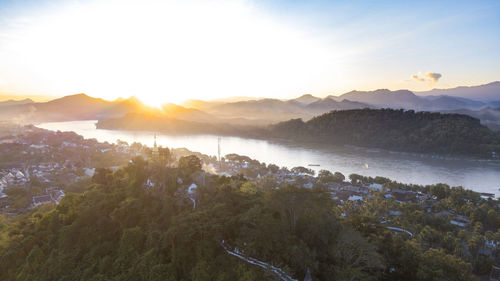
(279, 140)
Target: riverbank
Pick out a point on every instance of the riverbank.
(421, 133)
(477, 175)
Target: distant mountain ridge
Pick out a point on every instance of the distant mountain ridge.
(308, 106)
(170, 125)
(386, 98)
(486, 93)
(306, 99)
(275, 110)
(406, 99)
(259, 111)
(329, 104)
(15, 102)
(73, 107)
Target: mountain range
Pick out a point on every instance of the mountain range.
(15, 102)
(474, 97)
(267, 110)
(486, 93)
(73, 107)
(405, 99)
(264, 111)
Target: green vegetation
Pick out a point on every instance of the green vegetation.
(114, 227)
(399, 130)
(117, 230)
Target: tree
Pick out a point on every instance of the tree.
(273, 168)
(440, 190)
(338, 177)
(492, 219)
(324, 174)
(325, 177)
(430, 236)
(303, 170)
(165, 155)
(137, 170)
(103, 176)
(18, 197)
(249, 187)
(188, 165)
(436, 265)
(355, 178)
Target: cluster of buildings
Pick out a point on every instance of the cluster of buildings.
(52, 195)
(342, 192)
(232, 167)
(12, 177)
(30, 156)
(49, 157)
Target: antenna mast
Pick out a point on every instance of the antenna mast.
(218, 151)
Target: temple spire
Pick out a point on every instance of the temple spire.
(155, 152)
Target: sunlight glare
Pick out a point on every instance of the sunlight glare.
(166, 51)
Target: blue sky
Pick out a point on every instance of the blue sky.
(257, 48)
(461, 36)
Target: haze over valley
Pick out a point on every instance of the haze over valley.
(245, 140)
(261, 111)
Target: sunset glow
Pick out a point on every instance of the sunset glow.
(170, 51)
(249, 140)
(161, 51)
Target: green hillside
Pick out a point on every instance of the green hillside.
(399, 130)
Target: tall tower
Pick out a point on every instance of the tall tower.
(218, 151)
(155, 152)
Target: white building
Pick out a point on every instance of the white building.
(375, 187)
(355, 198)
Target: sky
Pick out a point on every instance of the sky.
(170, 51)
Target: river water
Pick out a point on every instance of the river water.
(481, 176)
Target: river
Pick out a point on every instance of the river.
(481, 176)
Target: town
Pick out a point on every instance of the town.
(39, 167)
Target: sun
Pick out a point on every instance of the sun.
(164, 51)
(159, 101)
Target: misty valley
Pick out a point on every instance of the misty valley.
(249, 140)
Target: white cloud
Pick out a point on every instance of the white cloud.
(433, 77)
(430, 77)
(417, 78)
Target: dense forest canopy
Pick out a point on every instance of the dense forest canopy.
(399, 130)
(119, 228)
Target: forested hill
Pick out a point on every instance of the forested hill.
(399, 130)
(118, 227)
